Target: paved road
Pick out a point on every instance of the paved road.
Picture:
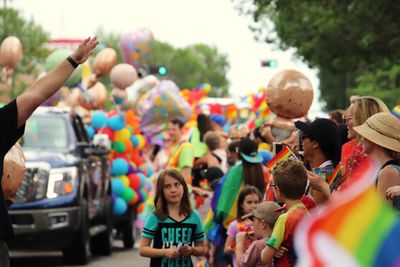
(119, 258)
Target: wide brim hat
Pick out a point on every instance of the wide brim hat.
(382, 129)
(254, 157)
(248, 150)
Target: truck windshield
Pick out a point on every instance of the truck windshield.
(45, 132)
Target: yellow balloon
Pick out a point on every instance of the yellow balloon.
(142, 141)
(122, 135)
(124, 179)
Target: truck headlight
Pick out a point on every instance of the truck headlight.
(61, 181)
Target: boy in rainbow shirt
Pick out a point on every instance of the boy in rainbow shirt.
(289, 183)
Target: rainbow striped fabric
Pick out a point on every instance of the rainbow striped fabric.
(285, 153)
(334, 177)
(357, 229)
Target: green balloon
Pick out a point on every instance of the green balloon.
(119, 147)
(128, 194)
(55, 58)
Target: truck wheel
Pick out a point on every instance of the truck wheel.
(101, 244)
(78, 252)
(127, 234)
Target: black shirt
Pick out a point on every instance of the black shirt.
(9, 135)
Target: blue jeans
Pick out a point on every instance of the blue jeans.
(4, 257)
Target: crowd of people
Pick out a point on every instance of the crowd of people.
(216, 203)
(246, 213)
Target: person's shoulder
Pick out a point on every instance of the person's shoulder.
(389, 172)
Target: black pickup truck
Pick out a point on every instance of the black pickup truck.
(64, 202)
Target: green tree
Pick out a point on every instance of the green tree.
(350, 42)
(187, 67)
(32, 38)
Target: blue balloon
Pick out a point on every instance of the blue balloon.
(135, 141)
(119, 206)
(90, 131)
(142, 178)
(266, 155)
(99, 119)
(116, 122)
(117, 186)
(150, 170)
(119, 166)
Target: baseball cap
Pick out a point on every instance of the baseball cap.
(218, 119)
(211, 173)
(267, 211)
(248, 150)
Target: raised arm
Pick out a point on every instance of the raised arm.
(46, 86)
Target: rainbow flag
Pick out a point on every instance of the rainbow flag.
(334, 177)
(356, 229)
(285, 153)
(396, 111)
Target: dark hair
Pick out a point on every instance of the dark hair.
(160, 203)
(177, 122)
(252, 172)
(247, 190)
(291, 177)
(234, 147)
(257, 134)
(204, 125)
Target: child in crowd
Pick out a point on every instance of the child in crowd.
(264, 217)
(289, 183)
(248, 199)
(173, 226)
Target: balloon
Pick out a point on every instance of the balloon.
(119, 166)
(140, 208)
(123, 75)
(107, 131)
(99, 119)
(163, 103)
(104, 61)
(10, 52)
(119, 147)
(98, 94)
(134, 181)
(136, 46)
(90, 131)
(55, 58)
(135, 141)
(122, 135)
(135, 199)
(117, 186)
(128, 194)
(119, 206)
(124, 180)
(118, 95)
(14, 171)
(116, 122)
(289, 94)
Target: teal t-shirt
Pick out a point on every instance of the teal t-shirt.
(170, 233)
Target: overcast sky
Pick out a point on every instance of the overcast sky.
(178, 22)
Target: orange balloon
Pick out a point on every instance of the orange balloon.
(289, 94)
(105, 60)
(10, 52)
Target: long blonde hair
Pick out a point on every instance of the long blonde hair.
(365, 107)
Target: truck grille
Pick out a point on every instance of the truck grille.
(34, 185)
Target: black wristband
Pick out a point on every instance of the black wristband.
(72, 62)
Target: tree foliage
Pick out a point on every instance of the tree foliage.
(354, 44)
(187, 67)
(32, 38)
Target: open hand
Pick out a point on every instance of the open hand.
(186, 251)
(84, 50)
(280, 252)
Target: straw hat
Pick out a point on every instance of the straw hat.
(382, 129)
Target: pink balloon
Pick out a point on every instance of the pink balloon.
(136, 46)
(123, 75)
